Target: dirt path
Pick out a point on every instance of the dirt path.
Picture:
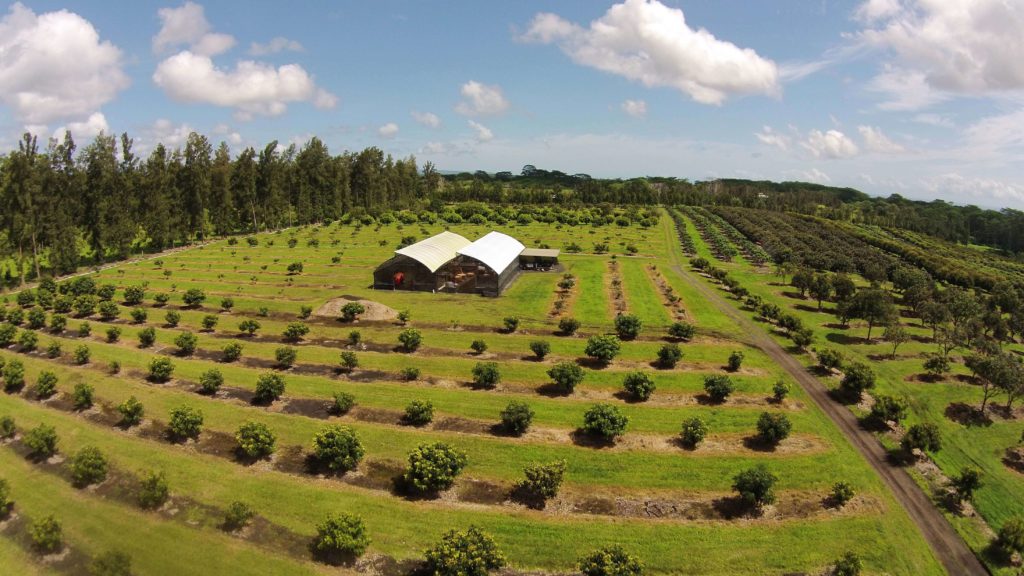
(947, 546)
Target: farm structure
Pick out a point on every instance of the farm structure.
(448, 262)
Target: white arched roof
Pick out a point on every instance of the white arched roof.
(496, 250)
(435, 251)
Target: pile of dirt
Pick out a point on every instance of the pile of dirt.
(374, 310)
(1014, 458)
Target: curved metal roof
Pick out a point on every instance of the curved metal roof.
(495, 249)
(435, 251)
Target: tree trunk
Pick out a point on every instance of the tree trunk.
(35, 257)
(21, 264)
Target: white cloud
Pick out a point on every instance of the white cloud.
(932, 119)
(830, 144)
(86, 130)
(773, 138)
(812, 175)
(994, 133)
(483, 133)
(54, 66)
(165, 132)
(389, 130)
(876, 141)
(276, 44)
(228, 134)
(251, 87)
(187, 25)
(965, 188)
(904, 89)
(481, 100)
(427, 119)
(971, 47)
(648, 42)
(635, 108)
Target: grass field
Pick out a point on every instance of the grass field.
(981, 446)
(670, 506)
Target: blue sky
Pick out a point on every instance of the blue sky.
(924, 98)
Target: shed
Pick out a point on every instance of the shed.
(538, 258)
(421, 266)
(491, 263)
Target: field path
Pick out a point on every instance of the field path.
(946, 544)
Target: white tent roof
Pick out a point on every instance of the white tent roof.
(496, 250)
(435, 251)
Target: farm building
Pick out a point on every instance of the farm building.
(448, 262)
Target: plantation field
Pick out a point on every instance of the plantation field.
(670, 505)
(943, 401)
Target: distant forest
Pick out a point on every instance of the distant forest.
(103, 201)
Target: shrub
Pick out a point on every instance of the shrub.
(540, 349)
(858, 378)
(295, 268)
(114, 367)
(403, 317)
(186, 343)
(172, 318)
(210, 381)
(186, 422)
(773, 428)
(248, 326)
(469, 553)
(81, 397)
(153, 490)
(924, 437)
(15, 317)
(231, 352)
(210, 322)
(349, 360)
(226, 304)
(1011, 536)
(139, 315)
(669, 356)
(610, 561)
(46, 384)
(295, 331)
(7, 335)
(7, 428)
(780, 390)
(486, 374)
(84, 330)
(160, 369)
(238, 515)
(516, 417)
(36, 318)
(161, 299)
(842, 493)
(134, 295)
(147, 336)
(755, 486)
(285, 357)
(936, 365)
(340, 538)
(47, 535)
(305, 312)
(343, 402)
(111, 563)
(113, 334)
(269, 387)
(478, 346)
(351, 311)
(58, 323)
(849, 565)
(694, 431)
(888, 409)
(106, 292)
(735, 361)
(131, 411)
(966, 483)
(638, 385)
(542, 480)
(255, 440)
(511, 324)
(42, 441)
(604, 421)
(410, 338)
(419, 412)
(681, 330)
(568, 326)
(566, 375)
(28, 340)
(410, 373)
(193, 297)
(88, 466)
(602, 348)
(718, 387)
(14, 375)
(5, 499)
(433, 467)
(337, 448)
(628, 326)
(109, 311)
(830, 359)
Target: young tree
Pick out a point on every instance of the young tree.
(830, 359)
(255, 440)
(669, 356)
(47, 535)
(88, 466)
(160, 369)
(694, 431)
(285, 357)
(295, 331)
(349, 361)
(340, 538)
(735, 361)
(718, 387)
(269, 387)
(478, 346)
(874, 306)
(638, 385)
(193, 297)
(516, 418)
(566, 376)
(923, 437)
(237, 516)
(603, 348)
(41, 441)
(147, 336)
(248, 326)
(966, 484)
(337, 448)
(186, 422)
(511, 324)
(842, 492)
(411, 339)
(773, 428)
(540, 349)
(820, 288)
(469, 553)
(568, 326)
(605, 421)
(542, 480)
(888, 409)
(628, 326)
(153, 490)
(231, 352)
(681, 331)
(896, 335)
(858, 378)
(434, 467)
(351, 311)
(755, 486)
(131, 411)
(849, 565)
(82, 395)
(186, 343)
(610, 561)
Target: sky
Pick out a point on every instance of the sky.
(923, 98)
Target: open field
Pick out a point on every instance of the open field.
(669, 505)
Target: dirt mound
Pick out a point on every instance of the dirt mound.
(1014, 458)
(374, 310)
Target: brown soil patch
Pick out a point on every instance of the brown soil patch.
(1014, 459)
(669, 298)
(375, 311)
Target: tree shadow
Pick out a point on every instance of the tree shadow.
(966, 415)
(552, 390)
(844, 339)
(758, 444)
(592, 363)
(732, 507)
(584, 439)
(706, 400)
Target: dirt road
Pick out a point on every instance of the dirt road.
(946, 544)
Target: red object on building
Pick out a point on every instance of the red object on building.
(399, 278)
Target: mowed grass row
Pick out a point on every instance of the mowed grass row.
(497, 457)
(529, 541)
